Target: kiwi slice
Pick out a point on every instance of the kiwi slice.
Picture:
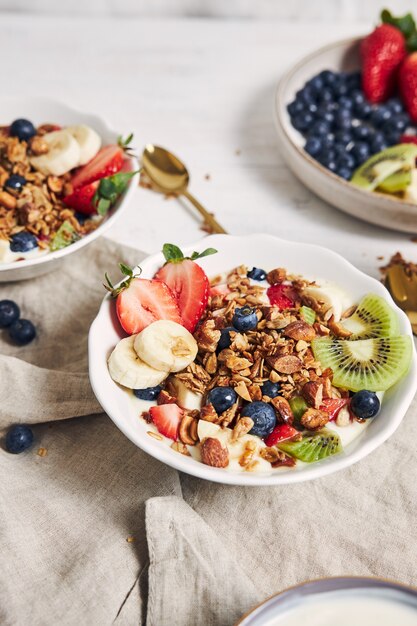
(315, 447)
(308, 314)
(372, 364)
(373, 318)
(396, 182)
(383, 164)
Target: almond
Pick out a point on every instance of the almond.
(285, 364)
(338, 329)
(165, 398)
(209, 413)
(213, 453)
(282, 407)
(312, 393)
(313, 419)
(300, 330)
(278, 275)
(187, 430)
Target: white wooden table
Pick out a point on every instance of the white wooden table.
(204, 89)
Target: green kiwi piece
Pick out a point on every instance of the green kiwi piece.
(380, 166)
(373, 364)
(308, 314)
(373, 318)
(396, 182)
(298, 406)
(314, 447)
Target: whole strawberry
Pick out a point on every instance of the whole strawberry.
(408, 84)
(382, 53)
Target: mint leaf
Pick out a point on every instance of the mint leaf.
(172, 252)
(64, 236)
(206, 252)
(126, 271)
(412, 42)
(405, 24)
(107, 188)
(103, 206)
(124, 143)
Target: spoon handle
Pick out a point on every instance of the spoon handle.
(214, 225)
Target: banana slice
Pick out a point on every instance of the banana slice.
(186, 398)
(88, 140)
(331, 296)
(127, 369)
(166, 346)
(63, 154)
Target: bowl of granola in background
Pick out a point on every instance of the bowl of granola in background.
(52, 114)
(313, 263)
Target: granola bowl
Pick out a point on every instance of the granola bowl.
(55, 115)
(312, 262)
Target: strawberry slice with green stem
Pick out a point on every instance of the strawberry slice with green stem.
(167, 418)
(140, 301)
(108, 160)
(99, 196)
(188, 282)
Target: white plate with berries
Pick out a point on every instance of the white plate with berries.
(65, 177)
(346, 118)
(245, 360)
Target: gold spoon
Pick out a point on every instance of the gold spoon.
(170, 176)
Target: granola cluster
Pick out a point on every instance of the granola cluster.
(38, 207)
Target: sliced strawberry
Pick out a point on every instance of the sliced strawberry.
(81, 199)
(282, 432)
(281, 296)
(332, 406)
(167, 418)
(107, 161)
(382, 53)
(143, 302)
(408, 139)
(190, 286)
(219, 290)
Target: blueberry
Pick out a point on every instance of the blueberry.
(327, 141)
(380, 115)
(346, 160)
(295, 107)
(395, 105)
(313, 145)
(302, 121)
(244, 319)
(360, 151)
(326, 95)
(362, 131)
(311, 108)
(22, 129)
(354, 81)
(343, 137)
(263, 416)
(225, 338)
(358, 97)
(320, 128)
(316, 83)
(343, 122)
(9, 312)
(305, 95)
(23, 242)
(328, 77)
(393, 137)
(19, 438)
(344, 172)
(257, 274)
(331, 166)
(396, 123)
(222, 398)
(363, 110)
(341, 90)
(22, 332)
(15, 182)
(365, 404)
(81, 218)
(378, 142)
(345, 102)
(150, 393)
(326, 116)
(270, 389)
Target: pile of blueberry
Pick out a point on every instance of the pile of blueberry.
(342, 129)
(20, 331)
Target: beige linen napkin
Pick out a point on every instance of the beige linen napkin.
(74, 545)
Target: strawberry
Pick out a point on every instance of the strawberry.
(408, 139)
(282, 432)
(219, 290)
(188, 283)
(408, 84)
(107, 161)
(167, 418)
(332, 406)
(382, 53)
(281, 296)
(81, 199)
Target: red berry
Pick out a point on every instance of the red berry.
(382, 53)
(167, 418)
(332, 406)
(408, 139)
(190, 287)
(109, 160)
(81, 199)
(282, 432)
(143, 302)
(408, 84)
(280, 295)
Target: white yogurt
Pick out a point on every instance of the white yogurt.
(365, 607)
(7, 256)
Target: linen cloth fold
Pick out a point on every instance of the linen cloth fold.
(96, 532)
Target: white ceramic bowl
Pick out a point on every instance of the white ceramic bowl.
(267, 252)
(372, 207)
(40, 110)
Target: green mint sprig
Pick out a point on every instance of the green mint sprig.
(110, 189)
(126, 271)
(173, 254)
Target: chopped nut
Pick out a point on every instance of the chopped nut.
(321, 329)
(42, 452)
(300, 330)
(7, 200)
(243, 426)
(210, 362)
(282, 407)
(313, 419)
(229, 415)
(255, 393)
(209, 413)
(38, 145)
(155, 435)
(207, 336)
(350, 311)
(269, 454)
(312, 393)
(286, 364)
(284, 460)
(186, 430)
(213, 453)
(242, 391)
(236, 363)
(178, 446)
(165, 398)
(338, 329)
(249, 453)
(277, 275)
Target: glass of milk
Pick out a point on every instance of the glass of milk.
(347, 601)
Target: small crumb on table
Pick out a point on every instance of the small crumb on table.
(130, 539)
(42, 452)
